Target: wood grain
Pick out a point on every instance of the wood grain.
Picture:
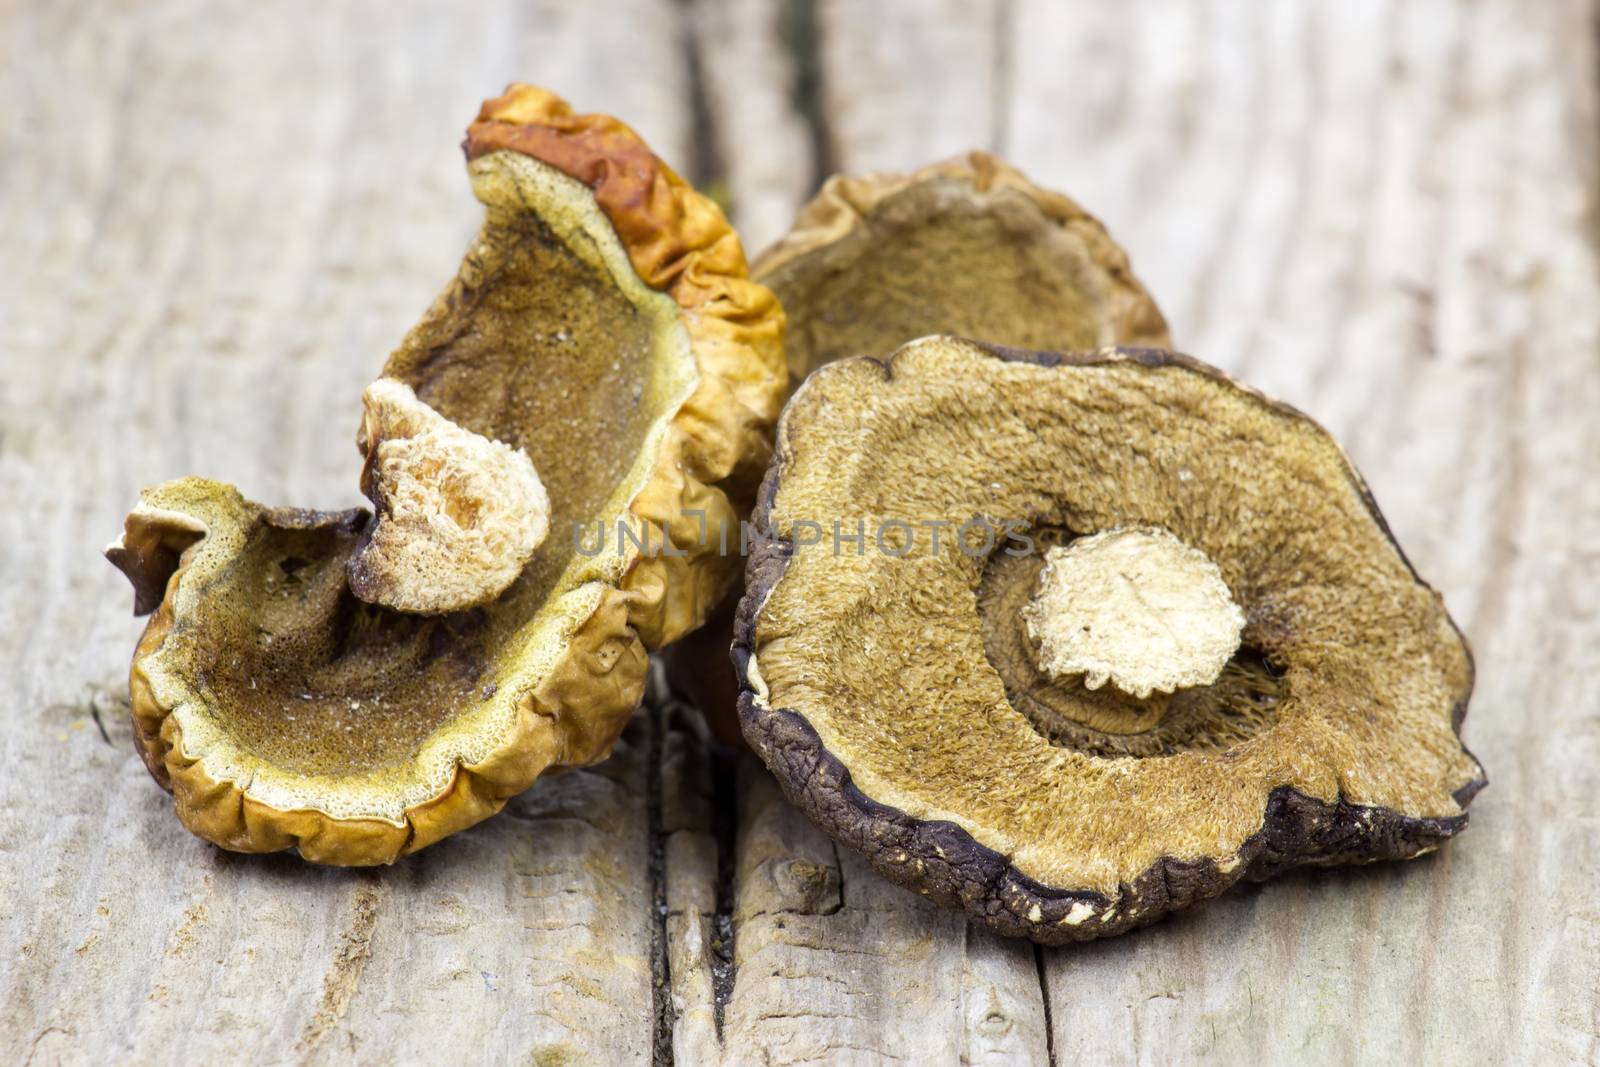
(216, 222)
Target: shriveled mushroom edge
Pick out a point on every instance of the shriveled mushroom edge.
(943, 862)
(679, 242)
(845, 201)
(601, 668)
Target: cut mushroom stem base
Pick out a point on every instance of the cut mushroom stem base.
(458, 514)
(1140, 681)
(1134, 607)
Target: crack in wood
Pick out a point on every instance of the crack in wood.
(802, 33)
(33, 1046)
(725, 822)
(344, 971)
(704, 165)
(1000, 99)
(1044, 992)
(664, 1017)
(107, 699)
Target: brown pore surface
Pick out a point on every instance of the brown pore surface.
(967, 246)
(886, 657)
(532, 345)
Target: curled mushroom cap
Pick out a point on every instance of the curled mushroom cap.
(1274, 687)
(603, 361)
(965, 246)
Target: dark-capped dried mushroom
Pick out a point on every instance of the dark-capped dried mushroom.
(600, 361)
(1165, 641)
(966, 246)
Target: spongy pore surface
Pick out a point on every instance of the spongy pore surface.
(912, 667)
(966, 246)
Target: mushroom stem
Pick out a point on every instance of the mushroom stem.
(458, 515)
(1135, 607)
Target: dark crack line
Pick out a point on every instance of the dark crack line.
(660, 965)
(1590, 133)
(838, 865)
(802, 33)
(94, 712)
(1000, 98)
(725, 823)
(1044, 991)
(704, 165)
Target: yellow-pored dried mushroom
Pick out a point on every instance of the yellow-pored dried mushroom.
(1074, 641)
(544, 451)
(966, 246)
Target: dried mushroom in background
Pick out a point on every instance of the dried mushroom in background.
(966, 246)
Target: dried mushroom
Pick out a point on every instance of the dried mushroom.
(1075, 641)
(967, 246)
(600, 366)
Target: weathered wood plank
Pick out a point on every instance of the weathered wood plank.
(830, 962)
(216, 223)
(756, 86)
(905, 84)
(1381, 213)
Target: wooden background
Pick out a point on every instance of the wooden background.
(216, 219)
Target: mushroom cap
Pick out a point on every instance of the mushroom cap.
(602, 322)
(890, 687)
(964, 246)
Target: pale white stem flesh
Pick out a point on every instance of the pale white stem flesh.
(1135, 607)
(459, 515)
